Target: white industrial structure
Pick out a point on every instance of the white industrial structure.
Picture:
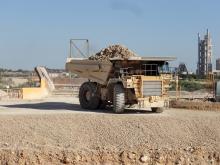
(204, 66)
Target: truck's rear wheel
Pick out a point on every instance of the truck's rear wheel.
(119, 98)
(89, 96)
(157, 109)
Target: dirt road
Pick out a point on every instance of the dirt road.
(57, 130)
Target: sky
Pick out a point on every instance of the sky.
(37, 32)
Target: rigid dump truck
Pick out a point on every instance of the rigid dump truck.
(139, 83)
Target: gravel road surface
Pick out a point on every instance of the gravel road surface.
(57, 130)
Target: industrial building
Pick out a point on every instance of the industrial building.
(204, 65)
(182, 69)
(218, 64)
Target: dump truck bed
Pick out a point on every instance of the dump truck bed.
(98, 71)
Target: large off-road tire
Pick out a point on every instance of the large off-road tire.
(157, 109)
(119, 98)
(89, 96)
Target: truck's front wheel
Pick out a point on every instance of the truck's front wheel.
(119, 98)
(89, 96)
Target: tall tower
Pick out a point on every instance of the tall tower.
(204, 65)
(218, 64)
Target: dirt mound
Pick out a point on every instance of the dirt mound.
(195, 105)
(112, 52)
(133, 157)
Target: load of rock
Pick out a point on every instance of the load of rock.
(113, 51)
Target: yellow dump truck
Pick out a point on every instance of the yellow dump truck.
(134, 83)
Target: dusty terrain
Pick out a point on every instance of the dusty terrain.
(57, 130)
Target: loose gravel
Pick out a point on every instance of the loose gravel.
(46, 131)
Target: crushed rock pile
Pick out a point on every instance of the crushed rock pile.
(113, 51)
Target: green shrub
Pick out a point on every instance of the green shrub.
(190, 85)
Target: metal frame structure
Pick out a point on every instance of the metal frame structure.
(74, 45)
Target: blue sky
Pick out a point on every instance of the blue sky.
(37, 32)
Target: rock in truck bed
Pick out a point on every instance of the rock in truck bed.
(112, 52)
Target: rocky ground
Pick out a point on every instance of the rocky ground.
(58, 131)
